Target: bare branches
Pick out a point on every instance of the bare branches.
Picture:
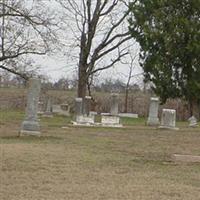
(24, 30)
(14, 71)
(102, 30)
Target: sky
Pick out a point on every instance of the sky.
(60, 64)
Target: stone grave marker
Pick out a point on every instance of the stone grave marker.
(48, 112)
(114, 104)
(193, 122)
(153, 112)
(87, 105)
(30, 126)
(78, 106)
(168, 119)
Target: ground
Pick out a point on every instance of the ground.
(96, 163)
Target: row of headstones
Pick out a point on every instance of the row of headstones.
(31, 125)
(84, 116)
(168, 117)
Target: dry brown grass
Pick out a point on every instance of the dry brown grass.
(98, 163)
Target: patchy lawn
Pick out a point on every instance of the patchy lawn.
(131, 163)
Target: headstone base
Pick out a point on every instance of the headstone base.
(32, 126)
(153, 121)
(28, 133)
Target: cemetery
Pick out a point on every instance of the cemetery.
(71, 156)
(99, 100)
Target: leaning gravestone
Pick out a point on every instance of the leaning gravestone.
(168, 119)
(30, 125)
(153, 112)
(193, 122)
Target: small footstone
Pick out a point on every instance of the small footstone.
(185, 158)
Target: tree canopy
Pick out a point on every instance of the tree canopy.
(168, 32)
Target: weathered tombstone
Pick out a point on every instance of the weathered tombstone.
(65, 109)
(62, 109)
(168, 119)
(48, 111)
(82, 110)
(87, 105)
(193, 122)
(110, 120)
(40, 107)
(30, 126)
(78, 106)
(153, 112)
(114, 104)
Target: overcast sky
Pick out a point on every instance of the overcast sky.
(61, 65)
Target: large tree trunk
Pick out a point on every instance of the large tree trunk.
(82, 83)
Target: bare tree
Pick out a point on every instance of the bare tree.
(101, 31)
(131, 62)
(25, 29)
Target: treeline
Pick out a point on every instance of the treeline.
(106, 85)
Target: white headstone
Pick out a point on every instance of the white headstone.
(168, 119)
(193, 122)
(153, 112)
(110, 120)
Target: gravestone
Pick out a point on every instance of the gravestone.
(110, 120)
(62, 109)
(40, 107)
(168, 119)
(114, 104)
(48, 111)
(78, 106)
(193, 122)
(153, 112)
(87, 105)
(65, 109)
(82, 112)
(30, 126)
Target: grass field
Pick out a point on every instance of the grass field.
(130, 163)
